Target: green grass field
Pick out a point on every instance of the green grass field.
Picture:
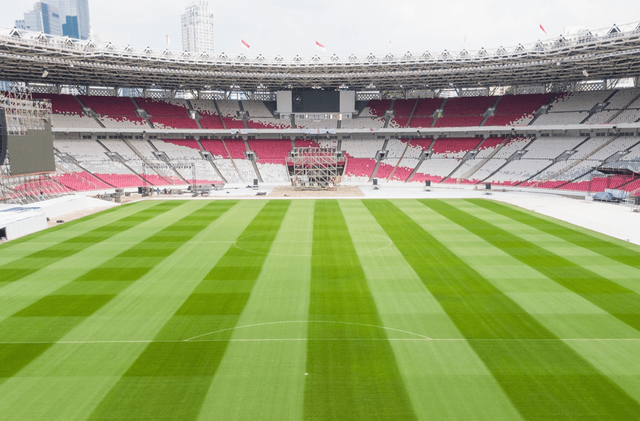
(319, 310)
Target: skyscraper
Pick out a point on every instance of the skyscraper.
(197, 28)
(74, 16)
(58, 17)
(43, 18)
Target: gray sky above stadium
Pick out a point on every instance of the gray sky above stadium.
(290, 28)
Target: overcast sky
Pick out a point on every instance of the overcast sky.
(290, 28)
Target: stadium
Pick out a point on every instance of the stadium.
(449, 235)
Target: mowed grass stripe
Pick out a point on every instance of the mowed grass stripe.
(79, 265)
(62, 232)
(564, 313)
(580, 324)
(15, 296)
(543, 377)
(14, 271)
(52, 233)
(68, 390)
(347, 380)
(615, 271)
(627, 254)
(169, 381)
(613, 298)
(445, 379)
(60, 312)
(264, 380)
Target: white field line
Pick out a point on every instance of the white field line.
(138, 242)
(197, 338)
(310, 321)
(149, 341)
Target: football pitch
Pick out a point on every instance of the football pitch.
(319, 310)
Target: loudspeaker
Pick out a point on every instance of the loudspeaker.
(375, 181)
(4, 138)
(255, 181)
(427, 183)
(488, 186)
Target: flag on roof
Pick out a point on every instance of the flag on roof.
(320, 47)
(168, 40)
(244, 43)
(542, 30)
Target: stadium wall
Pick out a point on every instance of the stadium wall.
(16, 225)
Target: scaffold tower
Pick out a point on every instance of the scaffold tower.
(315, 168)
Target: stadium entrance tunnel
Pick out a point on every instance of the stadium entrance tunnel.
(302, 244)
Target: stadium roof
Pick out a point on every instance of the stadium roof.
(611, 53)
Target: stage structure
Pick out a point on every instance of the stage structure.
(313, 168)
(26, 149)
(22, 113)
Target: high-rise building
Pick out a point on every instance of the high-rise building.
(74, 16)
(58, 17)
(197, 28)
(43, 18)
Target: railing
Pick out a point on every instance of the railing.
(30, 189)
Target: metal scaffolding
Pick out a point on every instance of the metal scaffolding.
(25, 189)
(19, 113)
(22, 112)
(597, 54)
(314, 168)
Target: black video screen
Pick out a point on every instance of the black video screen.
(32, 153)
(315, 101)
